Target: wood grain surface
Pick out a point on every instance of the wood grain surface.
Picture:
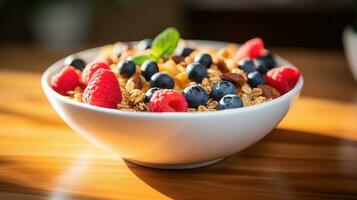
(312, 154)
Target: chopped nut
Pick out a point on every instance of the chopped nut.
(268, 91)
(246, 89)
(246, 100)
(206, 85)
(214, 80)
(78, 97)
(129, 86)
(212, 104)
(141, 106)
(231, 64)
(258, 100)
(237, 79)
(192, 110)
(124, 103)
(202, 108)
(136, 96)
(256, 92)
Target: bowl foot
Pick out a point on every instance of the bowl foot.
(179, 166)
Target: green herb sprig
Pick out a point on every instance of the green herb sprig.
(163, 45)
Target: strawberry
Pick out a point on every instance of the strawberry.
(67, 79)
(103, 90)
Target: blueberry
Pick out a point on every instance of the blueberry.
(247, 66)
(205, 59)
(185, 51)
(268, 60)
(261, 66)
(149, 93)
(75, 62)
(221, 89)
(126, 68)
(162, 80)
(195, 96)
(230, 101)
(149, 68)
(145, 44)
(255, 79)
(196, 72)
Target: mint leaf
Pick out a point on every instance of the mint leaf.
(140, 59)
(165, 43)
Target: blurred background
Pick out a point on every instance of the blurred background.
(47, 29)
(72, 23)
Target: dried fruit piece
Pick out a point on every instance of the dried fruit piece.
(177, 59)
(269, 91)
(222, 66)
(237, 79)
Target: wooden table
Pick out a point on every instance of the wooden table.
(312, 154)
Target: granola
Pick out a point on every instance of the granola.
(220, 66)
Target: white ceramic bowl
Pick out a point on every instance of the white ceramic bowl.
(171, 140)
(349, 38)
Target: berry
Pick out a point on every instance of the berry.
(282, 78)
(268, 60)
(196, 72)
(185, 51)
(149, 68)
(103, 90)
(195, 96)
(91, 68)
(261, 66)
(145, 44)
(221, 89)
(162, 80)
(126, 68)
(255, 79)
(230, 101)
(168, 101)
(205, 59)
(67, 79)
(149, 93)
(75, 62)
(247, 66)
(252, 48)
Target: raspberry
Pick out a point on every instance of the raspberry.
(282, 78)
(103, 90)
(252, 48)
(67, 79)
(167, 100)
(91, 68)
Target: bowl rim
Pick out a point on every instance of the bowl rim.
(45, 80)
